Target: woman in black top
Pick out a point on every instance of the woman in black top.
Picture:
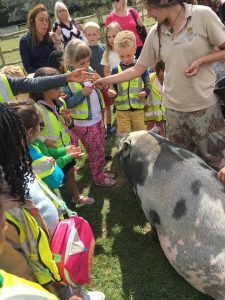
(64, 25)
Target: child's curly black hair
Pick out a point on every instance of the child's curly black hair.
(14, 155)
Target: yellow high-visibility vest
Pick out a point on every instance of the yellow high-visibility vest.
(13, 287)
(82, 111)
(127, 94)
(6, 93)
(156, 110)
(35, 245)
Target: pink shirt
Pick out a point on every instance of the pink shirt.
(126, 23)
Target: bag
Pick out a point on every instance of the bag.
(141, 30)
(72, 246)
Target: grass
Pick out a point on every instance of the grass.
(127, 265)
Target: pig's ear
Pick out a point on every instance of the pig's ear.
(126, 148)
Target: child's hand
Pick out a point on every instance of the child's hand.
(111, 93)
(66, 113)
(74, 152)
(87, 90)
(50, 143)
(142, 95)
(50, 159)
(96, 76)
(221, 175)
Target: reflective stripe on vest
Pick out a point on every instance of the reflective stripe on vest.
(42, 166)
(127, 94)
(35, 245)
(13, 287)
(156, 111)
(6, 93)
(53, 129)
(82, 111)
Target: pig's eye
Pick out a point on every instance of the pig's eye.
(126, 149)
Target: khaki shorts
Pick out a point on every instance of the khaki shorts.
(202, 130)
(128, 121)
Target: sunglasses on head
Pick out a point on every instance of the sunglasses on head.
(115, 1)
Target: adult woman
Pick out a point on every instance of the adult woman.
(65, 25)
(184, 39)
(126, 19)
(36, 45)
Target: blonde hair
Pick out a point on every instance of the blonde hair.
(108, 48)
(91, 25)
(63, 6)
(125, 39)
(75, 51)
(12, 71)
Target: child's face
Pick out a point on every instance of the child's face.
(83, 63)
(52, 94)
(33, 133)
(92, 35)
(160, 76)
(126, 55)
(111, 34)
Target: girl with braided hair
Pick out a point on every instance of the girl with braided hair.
(26, 252)
(184, 37)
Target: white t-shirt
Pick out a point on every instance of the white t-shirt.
(114, 60)
(96, 111)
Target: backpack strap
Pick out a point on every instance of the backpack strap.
(133, 15)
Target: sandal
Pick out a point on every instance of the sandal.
(109, 175)
(85, 200)
(106, 182)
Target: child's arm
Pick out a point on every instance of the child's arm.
(39, 84)
(74, 99)
(106, 70)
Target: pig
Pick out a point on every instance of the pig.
(185, 202)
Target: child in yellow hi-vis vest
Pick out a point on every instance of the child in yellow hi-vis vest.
(154, 109)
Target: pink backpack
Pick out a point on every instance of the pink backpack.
(72, 246)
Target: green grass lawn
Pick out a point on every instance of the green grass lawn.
(127, 265)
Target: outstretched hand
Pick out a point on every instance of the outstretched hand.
(79, 75)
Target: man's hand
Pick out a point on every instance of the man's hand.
(79, 75)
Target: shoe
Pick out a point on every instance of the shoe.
(95, 295)
(85, 200)
(109, 175)
(106, 182)
(108, 157)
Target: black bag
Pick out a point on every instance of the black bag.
(141, 30)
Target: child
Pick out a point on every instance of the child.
(154, 110)
(109, 60)
(129, 96)
(54, 133)
(15, 71)
(26, 252)
(86, 109)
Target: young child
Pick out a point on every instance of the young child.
(86, 107)
(109, 60)
(154, 109)
(15, 71)
(54, 133)
(129, 97)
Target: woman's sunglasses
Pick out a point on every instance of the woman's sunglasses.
(115, 1)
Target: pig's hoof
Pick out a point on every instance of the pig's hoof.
(152, 235)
